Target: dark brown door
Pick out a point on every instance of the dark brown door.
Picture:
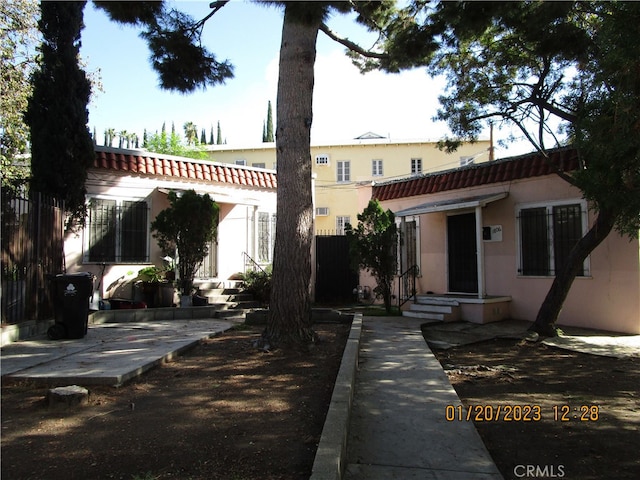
(461, 241)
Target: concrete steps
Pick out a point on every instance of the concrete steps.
(227, 297)
(434, 309)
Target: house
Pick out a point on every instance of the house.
(126, 189)
(340, 167)
(486, 239)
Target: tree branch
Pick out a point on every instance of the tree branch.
(351, 45)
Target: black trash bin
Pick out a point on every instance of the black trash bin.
(71, 294)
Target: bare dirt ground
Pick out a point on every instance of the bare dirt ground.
(562, 414)
(226, 411)
(223, 410)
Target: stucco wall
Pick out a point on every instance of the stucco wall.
(608, 299)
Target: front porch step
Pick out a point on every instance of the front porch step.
(434, 309)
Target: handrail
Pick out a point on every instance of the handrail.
(249, 260)
(407, 285)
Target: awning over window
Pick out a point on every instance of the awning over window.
(452, 204)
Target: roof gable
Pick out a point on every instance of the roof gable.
(504, 170)
(148, 163)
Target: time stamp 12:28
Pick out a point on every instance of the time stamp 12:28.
(521, 413)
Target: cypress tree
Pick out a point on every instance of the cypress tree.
(61, 144)
(268, 136)
(219, 139)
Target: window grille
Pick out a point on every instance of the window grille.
(547, 235)
(266, 236)
(118, 232)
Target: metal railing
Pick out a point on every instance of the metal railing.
(249, 261)
(407, 285)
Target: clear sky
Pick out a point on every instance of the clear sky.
(346, 103)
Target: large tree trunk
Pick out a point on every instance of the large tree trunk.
(552, 304)
(289, 320)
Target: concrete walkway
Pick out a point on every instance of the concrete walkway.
(397, 425)
(110, 353)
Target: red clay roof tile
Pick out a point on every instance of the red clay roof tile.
(148, 163)
(504, 170)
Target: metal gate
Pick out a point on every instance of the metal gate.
(335, 280)
(32, 249)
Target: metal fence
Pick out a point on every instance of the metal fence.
(32, 251)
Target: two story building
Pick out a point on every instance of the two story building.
(340, 167)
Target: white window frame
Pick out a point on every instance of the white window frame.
(416, 166)
(343, 171)
(270, 237)
(322, 211)
(241, 161)
(322, 160)
(259, 165)
(341, 222)
(549, 210)
(376, 167)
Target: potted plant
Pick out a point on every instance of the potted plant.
(184, 231)
(156, 286)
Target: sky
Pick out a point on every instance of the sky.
(346, 103)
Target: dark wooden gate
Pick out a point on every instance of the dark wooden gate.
(335, 280)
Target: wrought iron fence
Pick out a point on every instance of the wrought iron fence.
(32, 251)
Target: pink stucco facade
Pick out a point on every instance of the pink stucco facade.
(607, 297)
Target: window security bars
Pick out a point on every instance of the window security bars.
(118, 232)
(547, 235)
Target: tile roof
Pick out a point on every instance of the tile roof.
(504, 170)
(149, 163)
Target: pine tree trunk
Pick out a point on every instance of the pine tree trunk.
(553, 302)
(289, 320)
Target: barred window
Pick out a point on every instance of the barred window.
(117, 231)
(547, 235)
(266, 236)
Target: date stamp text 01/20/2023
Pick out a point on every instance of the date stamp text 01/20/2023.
(521, 413)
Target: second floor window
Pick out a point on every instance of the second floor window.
(117, 231)
(344, 171)
(376, 168)
(416, 166)
(341, 222)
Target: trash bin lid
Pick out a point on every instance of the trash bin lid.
(78, 274)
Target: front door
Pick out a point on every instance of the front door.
(462, 248)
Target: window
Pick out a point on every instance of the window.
(464, 161)
(416, 166)
(344, 171)
(547, 235)
(322, 211)
(117, 231)
(322, 160)
(241, 161)
(376, 168)
(259, 165)
(341, 222)
(266, 236)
